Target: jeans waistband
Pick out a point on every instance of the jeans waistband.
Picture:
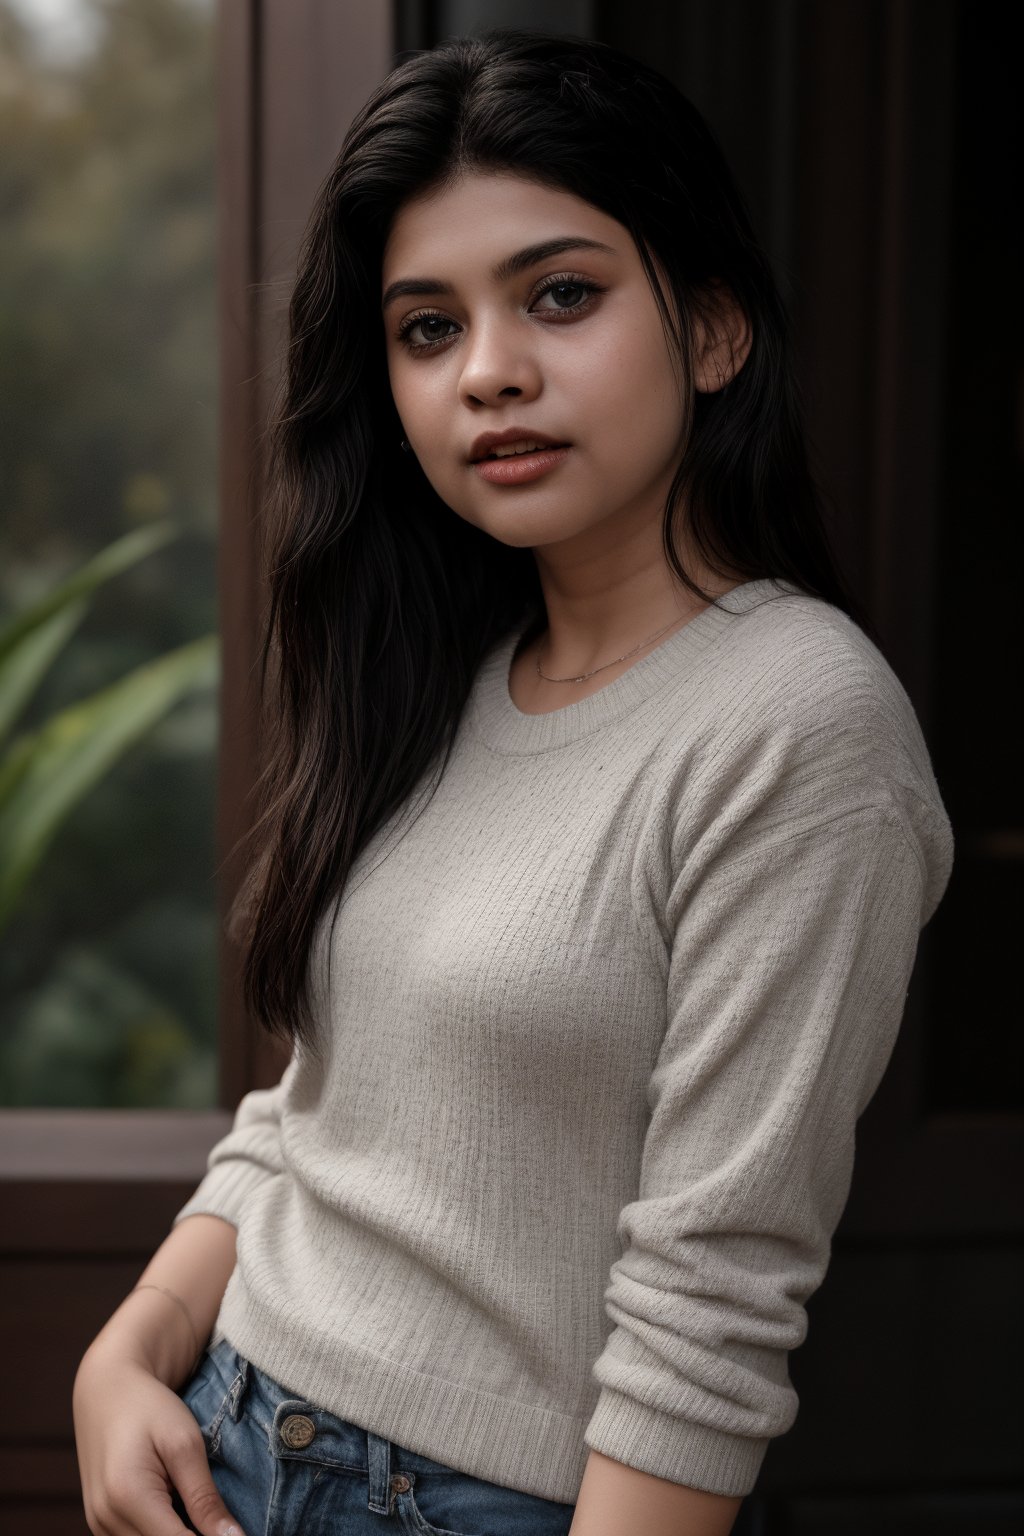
(299, 1430)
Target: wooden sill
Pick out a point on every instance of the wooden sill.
(99, 1181)
(121, 1144)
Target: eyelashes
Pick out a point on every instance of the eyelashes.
(563, 280)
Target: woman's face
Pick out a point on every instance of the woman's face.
(568, 344)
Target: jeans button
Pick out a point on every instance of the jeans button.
(297, 1431)
(400, 1483)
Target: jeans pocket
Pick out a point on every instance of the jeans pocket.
(235, 1437)
(451, 1503)
(212, 1391)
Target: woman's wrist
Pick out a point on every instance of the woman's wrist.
(152, 1328)
(164, 1290)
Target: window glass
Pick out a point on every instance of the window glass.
(108, 380)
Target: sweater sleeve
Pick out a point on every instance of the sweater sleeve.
(788, 970)
(246, 1157)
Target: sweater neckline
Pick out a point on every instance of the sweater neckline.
(508, 730)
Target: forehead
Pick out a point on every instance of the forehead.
(482, 217)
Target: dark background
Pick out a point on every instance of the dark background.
(878, 147)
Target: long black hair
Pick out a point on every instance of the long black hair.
(382, 601)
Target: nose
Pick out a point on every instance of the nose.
(497, 361)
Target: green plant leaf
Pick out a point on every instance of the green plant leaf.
(27, 662)
(30, 641)
(46, 772)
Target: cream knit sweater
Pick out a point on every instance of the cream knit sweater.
(600, 1019)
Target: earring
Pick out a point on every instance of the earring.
(404, 445)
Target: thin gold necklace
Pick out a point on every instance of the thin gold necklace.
(584, 675)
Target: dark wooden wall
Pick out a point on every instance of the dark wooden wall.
(877, 143)
(873, 139)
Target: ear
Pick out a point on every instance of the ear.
(723, 337)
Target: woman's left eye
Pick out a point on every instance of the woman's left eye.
(557, 286)
(564, 283)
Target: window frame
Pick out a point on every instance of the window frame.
(71, 1180)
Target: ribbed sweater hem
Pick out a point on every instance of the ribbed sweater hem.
(518, 1445)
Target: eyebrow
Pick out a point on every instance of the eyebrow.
(512, 266)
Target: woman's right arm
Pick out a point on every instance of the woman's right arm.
(136, 1438)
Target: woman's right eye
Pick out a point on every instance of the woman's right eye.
(412, 321)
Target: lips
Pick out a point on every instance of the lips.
(518, 453)
(487, 442)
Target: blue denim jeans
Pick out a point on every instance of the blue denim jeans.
(285, 1467)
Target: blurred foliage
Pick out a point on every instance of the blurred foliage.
(45, 772)
(108, 400)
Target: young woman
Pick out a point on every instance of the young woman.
(596, 841)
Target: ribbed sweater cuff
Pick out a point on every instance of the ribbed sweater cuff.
(225, 1190)
(676, 1449)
